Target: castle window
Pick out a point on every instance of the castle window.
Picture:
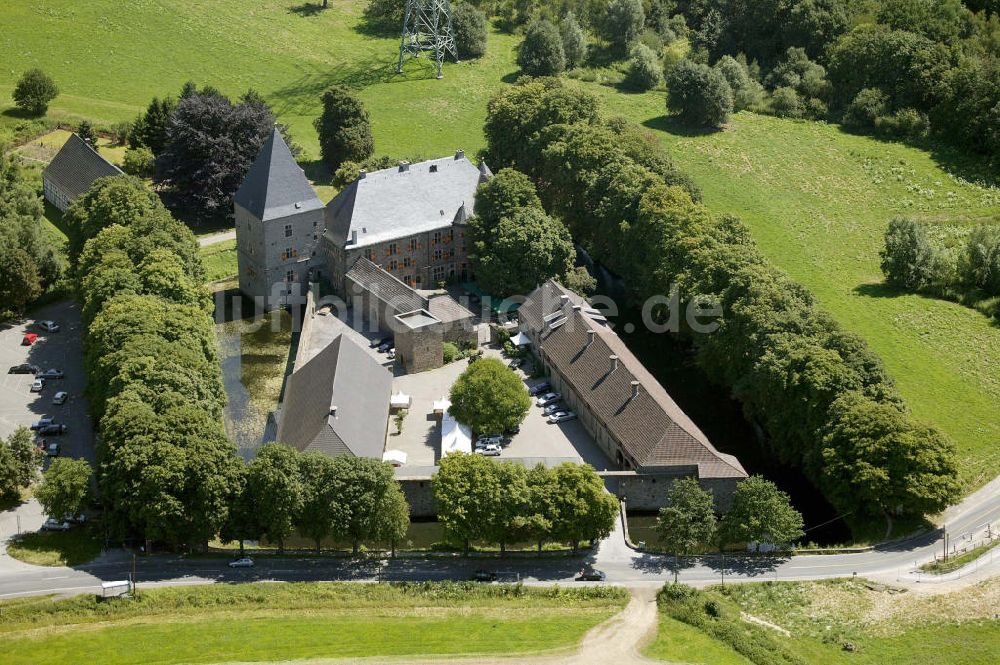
(288, 230)
(438, 273)
(437, 238)
(413, 244)
(393, 265)
(437, 254)
(407, 262)
(290, 276)
(392, 249)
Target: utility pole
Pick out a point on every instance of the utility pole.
(945, 542)
(427, 27)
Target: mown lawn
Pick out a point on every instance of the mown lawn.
(881, 625)
(59, 548)
(289, 621)
(818, 201)
(110, 57)
(219, 260)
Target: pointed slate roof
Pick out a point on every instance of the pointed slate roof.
(275, 186)
(76, 166)
(337, 403)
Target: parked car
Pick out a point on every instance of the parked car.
(51, 429)
(52, 374)
(29, 339)
(37, 385)
(60, 397)
(376, 343)
(552, 408)
(242, 562)
(489, 450)
(484, 576)
(489, 439)
(48, 326)
(24, 368)
(41, 422)
(591, 575)
(548, 398)
(540, 389)
(51, 449)
(53, 524)
(561, 417)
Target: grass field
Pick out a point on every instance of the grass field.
(816, 199)
(112, 56)
(256, 622)
(46, 548)
(883, 625)
(219, 260)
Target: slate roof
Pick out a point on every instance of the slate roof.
(446, 309)
(403, 200)
(345, 376)
(76, 166)
(650, 427)
(275, 186)
(384, 286)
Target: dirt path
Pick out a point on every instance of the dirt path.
(616, 641)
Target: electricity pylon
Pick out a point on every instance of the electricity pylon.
(427, 27)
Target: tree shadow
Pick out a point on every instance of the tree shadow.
(317, 171)
(307, 9)
(379, 27)
(21, 114)
(677, 127)
(880, 290)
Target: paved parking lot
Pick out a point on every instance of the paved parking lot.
(61, 350)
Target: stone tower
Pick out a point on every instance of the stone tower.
(279, 220)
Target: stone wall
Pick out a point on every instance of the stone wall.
(648, 492)
(420, 349)
(419, 494)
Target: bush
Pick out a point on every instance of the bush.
(786, 103)
(86, 132)
(541, 52)
(120, 132)
(699, 95)
(908, 257)
(574, 41)
(469, 26)
(904, 123)
(644, 71)
(33, 92)
(980, 262)
(623, 23)
(139, 162)
(866, 107)
(747, 93)
(451, 352)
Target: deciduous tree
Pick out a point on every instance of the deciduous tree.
(489, 397)
(33, 92)
(65, 487)
(278, 493)
(541, 52)
(344, 128)
(760, 513)
(688, 521)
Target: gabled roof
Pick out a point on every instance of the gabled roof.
(275, 186)
(385, 286)
(337, 403)
(648, 424)
(405, 199)
(76, 166)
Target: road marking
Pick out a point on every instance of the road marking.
(58, 577)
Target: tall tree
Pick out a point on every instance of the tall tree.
(150, 129)
(367, 509)
(33, 92)
(469, 26)
(345, 132)
(541, 52)
(688, 521)
(465, 490)
(698, 94)
(65, 487)
(27, 456)
(760, 513)
(586, 510)
(623, 23)
(489, 397)
(277, 489)
(321, 507)
(574, 40)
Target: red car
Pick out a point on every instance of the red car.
(29, 339)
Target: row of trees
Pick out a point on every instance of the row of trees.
(167, 471)
(351, 499)
(968, 271)
(30, 260)
(482, 501)
(822, 395)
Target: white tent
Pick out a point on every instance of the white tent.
(399, 400)
(441, 405)
(455, 437)
(520, 339)
(394, 457)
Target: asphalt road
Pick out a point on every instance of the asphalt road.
(623, 566)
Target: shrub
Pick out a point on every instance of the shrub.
(866, 107)
(699, 95)
(469, 26)
(139, 162)
(747, 93)
(120, 132)
(33, 92)
(574, 41)
(786, 103)
(541, 52)
(644, 71)
(908, 258)
(904, 123)
(451, 352)
(623, 23)
(980, 262)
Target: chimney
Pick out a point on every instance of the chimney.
(362, 173)
(635, 389)
(333, 411)
(459, 154)
(563, 299)
(614, 362)
(590, 337)
(577, 308)
(404, 166)
(354, 237)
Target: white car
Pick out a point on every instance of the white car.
(37, 385)
(489, 450)
(60, 397)
(52, 524)
(242, 562)
(548, 398)
(48, 326)
(552, 408)
(561, 416)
